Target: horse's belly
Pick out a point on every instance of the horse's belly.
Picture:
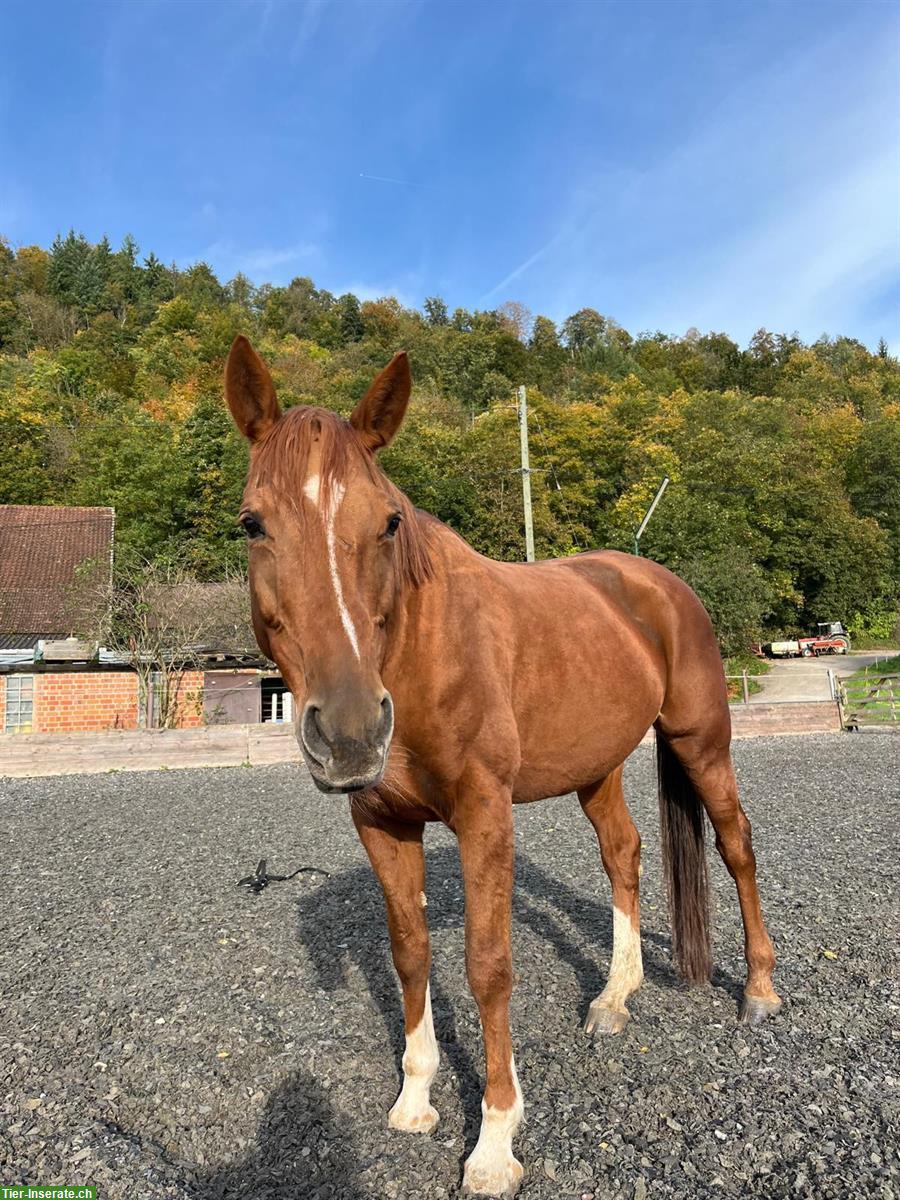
(569, 769)
(579, 739)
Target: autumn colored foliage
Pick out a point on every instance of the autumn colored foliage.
(784, 458)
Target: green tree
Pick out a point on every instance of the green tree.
(783, 457)
(67, 257)
(873, 479)
(352, 326)
(436, 312)
(583, 329)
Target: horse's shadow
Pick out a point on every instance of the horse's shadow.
(299, 1152)
(344, 917)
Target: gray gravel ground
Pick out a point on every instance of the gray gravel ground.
(165, 1035)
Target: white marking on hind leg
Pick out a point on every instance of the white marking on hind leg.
(626, 971)
(492, 1169)
(608, 1013)
(413, 1111)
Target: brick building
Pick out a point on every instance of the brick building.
(53, 565)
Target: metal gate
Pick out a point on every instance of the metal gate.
(871, 701)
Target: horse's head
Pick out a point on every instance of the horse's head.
(332, 545)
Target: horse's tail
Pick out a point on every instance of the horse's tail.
(684, 860)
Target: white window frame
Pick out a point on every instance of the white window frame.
(19, 714)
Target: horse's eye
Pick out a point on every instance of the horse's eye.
(393, 525)
(252, 527)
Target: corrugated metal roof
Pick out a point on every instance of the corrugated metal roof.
(19, 641)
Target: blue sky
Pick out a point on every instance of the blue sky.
(672, 164)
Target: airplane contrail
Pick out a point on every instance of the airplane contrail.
(524, 266)
(387, 179)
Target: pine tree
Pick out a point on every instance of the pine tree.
(67, 255)
(352, 327)
(155, 280)
(89, 284)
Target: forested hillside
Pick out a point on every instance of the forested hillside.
(784, 506)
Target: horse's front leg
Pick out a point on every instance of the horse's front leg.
(395, 852)
(484, 827)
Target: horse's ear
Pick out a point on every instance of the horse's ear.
(250, 391)
(380, 413)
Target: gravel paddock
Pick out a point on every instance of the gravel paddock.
(164, 1034)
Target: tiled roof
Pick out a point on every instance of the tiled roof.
(41, 547)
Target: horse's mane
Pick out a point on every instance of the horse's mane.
(281, 460)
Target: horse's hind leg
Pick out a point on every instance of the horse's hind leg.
(711, 771)
(620, 848)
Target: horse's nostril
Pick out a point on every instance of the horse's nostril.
(386, 722)
(313, 736)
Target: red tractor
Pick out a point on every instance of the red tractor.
(832, 638)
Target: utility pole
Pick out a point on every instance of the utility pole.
(522, 409)
(649, 514)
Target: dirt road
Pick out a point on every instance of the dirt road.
(807, 678)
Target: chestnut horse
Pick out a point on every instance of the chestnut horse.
(433, 684)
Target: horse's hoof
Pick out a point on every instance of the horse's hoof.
(756, 1009)
(486, 1177)
(602, 1021)
(422, 1120)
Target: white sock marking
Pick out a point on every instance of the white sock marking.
(627, 968)
(492, 1167)
(412, 1110)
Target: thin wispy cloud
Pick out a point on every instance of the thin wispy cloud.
(723, 166)
(311, 14)
(229, 259)
(406, 293)
(13, 208)
(829, 252)
(748, 220)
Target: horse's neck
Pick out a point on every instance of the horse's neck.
(436, 609)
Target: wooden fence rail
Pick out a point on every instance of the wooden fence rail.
(23, 754)
(872, 701)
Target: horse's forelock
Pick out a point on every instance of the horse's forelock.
(282, 461)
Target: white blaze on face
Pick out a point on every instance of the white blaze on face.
(413, 1111)
(312, 490)
(492, 1167)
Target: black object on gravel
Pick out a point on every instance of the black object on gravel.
(165, 1035)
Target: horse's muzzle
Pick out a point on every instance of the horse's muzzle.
(343, 762)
